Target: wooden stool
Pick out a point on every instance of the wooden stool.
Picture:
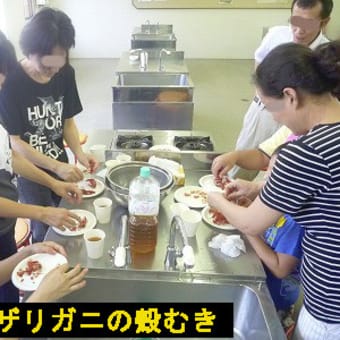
(22, 233)
(82, 141)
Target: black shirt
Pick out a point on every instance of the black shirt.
(37, 112)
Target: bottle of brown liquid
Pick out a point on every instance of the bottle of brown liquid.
(144, 198)
(143, 233)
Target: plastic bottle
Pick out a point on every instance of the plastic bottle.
(144, 198)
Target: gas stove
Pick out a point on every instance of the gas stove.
(124, 141)
(195, 143)
(185, 140)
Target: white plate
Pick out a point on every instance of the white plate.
(207, 218)
(100, 187)
(91, 223)
(165, 148)
(208, 184)
(187, 195)
(31, 282)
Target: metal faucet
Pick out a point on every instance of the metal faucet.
(170, 262)
(122, 252)
(163, 50)
(148, 31)
(143, 58)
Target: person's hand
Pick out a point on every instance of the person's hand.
(69, 172)
(69, 191)
(59, 282)
(48, 247)
(89, 161)
(59, 217)
(244, 202)
(216, 199)
(241, 188)
(223, 163)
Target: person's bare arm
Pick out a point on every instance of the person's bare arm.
(252, 220)
(25, 168)
(63, 170)
(58, 217)
(252, 159)
(71, 136)
(279, 264)
(242, 188)
(36, 157)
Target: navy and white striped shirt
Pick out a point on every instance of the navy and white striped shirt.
(305, 183)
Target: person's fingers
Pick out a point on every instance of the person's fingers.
(69, 224)
(61, 227)
(63, 267)
(58, 248)
(51, 247)
(77, 286)
(79, 276)
(74, 194)
(78, 173)
(223, 171)
(76, 274)
(76, 270)
(71, 221)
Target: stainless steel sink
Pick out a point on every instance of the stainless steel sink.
(156, 28)
(154, 87)
(153, 79)
(153, 40)
(153, 100)
(254, 314)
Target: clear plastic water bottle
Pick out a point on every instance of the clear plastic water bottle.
(144, 198)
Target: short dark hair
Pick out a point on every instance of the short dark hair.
(45, 30)
(296, 66)
(327, 6)
(8, 58)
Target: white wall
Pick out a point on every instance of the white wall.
(12, 20)
(103, 27)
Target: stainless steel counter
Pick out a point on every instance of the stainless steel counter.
(214, 278)
(207, 260)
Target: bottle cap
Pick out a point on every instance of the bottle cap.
(144, 171)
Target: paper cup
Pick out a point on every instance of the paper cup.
(191, 220)
(103, 209)
(98, 150)
(94, 242)
(176, 209)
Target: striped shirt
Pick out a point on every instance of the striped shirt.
(305, 183)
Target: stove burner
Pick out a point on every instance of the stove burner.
(193, 143)
(134, 142)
